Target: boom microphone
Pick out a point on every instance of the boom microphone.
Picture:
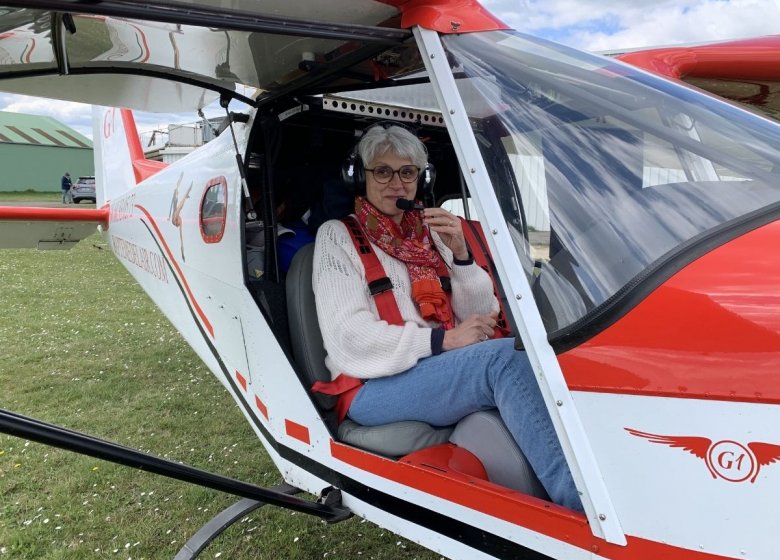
(405, 204)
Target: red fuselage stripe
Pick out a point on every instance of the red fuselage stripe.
(191, 297)
(144, 45)
(241, 380)
(298, 431)
(261, 407)
(522, 510)
(28, 54)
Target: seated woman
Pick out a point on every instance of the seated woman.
(439, 365)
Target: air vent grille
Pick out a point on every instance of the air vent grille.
(382, 111)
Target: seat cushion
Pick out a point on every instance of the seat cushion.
(393, 440)
(486, 436)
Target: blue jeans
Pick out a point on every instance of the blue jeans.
(440, 390)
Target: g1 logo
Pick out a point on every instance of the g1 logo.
(726, 459)
(108, 123)
(731, 461)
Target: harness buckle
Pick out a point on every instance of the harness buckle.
(380, 285)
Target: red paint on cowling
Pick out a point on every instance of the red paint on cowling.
(712, 331)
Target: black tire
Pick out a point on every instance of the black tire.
(76, 200)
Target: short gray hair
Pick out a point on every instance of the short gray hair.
(379, 140)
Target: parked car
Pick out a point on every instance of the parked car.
(84, 189)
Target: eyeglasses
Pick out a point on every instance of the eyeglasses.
(383, 174)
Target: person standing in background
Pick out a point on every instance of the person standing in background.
(65, 185)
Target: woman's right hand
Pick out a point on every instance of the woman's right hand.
(476, 328)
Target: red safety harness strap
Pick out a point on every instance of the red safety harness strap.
(345, 387)
(472, 232)
(379, 284)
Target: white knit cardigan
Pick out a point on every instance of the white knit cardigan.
(357, 342)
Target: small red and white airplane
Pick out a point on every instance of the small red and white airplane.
(632, 222)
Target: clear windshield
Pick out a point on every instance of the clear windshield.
(602, 170)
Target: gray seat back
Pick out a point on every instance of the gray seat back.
(306, 338)
(392, 440)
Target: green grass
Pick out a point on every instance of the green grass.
(30, 196)
(82, 346)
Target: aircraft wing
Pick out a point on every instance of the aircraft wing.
(47, 228)
(177, 56)
(746, 71)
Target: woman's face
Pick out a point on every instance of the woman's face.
(384, 196)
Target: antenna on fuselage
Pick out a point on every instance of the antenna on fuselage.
(224, 101)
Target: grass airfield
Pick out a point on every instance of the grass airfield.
(83, 347)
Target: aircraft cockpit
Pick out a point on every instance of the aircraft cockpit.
(595, 181)
(604, 194)
(312, 141)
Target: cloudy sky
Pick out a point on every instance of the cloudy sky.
(595, 25)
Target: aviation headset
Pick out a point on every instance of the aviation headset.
(353, 172)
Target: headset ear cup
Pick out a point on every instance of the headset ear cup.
(360, 177)
(348, 172)
(426, 180)
(354, 175)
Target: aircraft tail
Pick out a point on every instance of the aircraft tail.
(119, 159)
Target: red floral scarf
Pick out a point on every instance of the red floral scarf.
(411, 244)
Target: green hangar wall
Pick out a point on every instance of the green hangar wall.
(36, 151)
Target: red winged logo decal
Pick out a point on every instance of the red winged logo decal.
(726, 459)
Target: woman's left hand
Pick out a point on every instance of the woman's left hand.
(450, 230)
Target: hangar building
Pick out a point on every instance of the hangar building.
(36, 151)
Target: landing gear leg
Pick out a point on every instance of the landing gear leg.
(222, 521)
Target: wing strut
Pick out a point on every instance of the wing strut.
(56, 436)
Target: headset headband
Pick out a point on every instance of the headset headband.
(353, 171)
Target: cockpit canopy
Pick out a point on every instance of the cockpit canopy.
(177, 59)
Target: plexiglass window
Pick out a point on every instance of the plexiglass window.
(603, 171)
(213, 210)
